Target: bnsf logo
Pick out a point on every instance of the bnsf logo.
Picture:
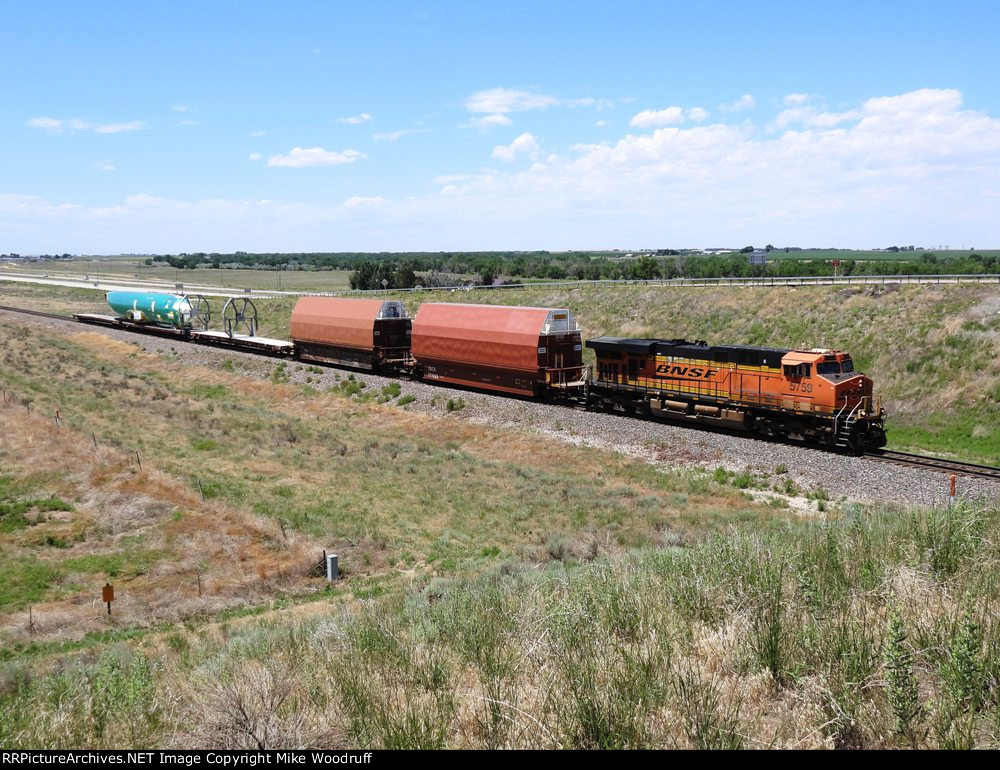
(675, 370)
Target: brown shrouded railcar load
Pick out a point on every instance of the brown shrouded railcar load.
(364, 333)
(526, 350)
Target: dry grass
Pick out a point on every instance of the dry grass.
(285, 473)
(153, 519)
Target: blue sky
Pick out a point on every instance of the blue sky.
(218, 126)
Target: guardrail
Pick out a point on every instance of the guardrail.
(765, 282)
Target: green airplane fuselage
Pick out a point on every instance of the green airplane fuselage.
(151, 307)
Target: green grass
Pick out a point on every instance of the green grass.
(871, 630)
(30, 580)
(17, 499)
(127, 563)
(24, 581)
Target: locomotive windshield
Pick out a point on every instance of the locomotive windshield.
(835, 367)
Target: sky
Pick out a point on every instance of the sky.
(168, 127)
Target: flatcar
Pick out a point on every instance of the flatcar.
(812, 395)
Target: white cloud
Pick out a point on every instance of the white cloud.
(106, 167)
(503, 100)
(745, 102)
(254, 156)
(697, 114)
(495, 104)
(50, 125)
(600, 123)
(392, 136)
(916, 168)
(180, 108)
(487, 122)
(314, 156)
(59, 126)
(599, 104)
(653, 118)
(906, 167)
(811, 112)
(452, 178)
(118, 128)
(257, 134)
(355, 120)
(361, 201)
(525, 144)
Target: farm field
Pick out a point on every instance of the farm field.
(125, 268)
(942, 256)
(501, 589)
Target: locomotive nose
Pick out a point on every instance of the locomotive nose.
(854, 388)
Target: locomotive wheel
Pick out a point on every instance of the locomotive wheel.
(764, 428)
(876, 438)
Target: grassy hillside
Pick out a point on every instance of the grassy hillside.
(872, 630)
(387, 489)
(933, 351)
(501, 590)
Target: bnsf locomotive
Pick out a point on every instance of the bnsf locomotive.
(810, 395)
(814, 395)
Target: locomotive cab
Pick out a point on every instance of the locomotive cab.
(825, 381)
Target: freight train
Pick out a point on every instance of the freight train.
(809, 395)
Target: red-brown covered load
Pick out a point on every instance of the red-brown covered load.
(523, 350)
(354, 332)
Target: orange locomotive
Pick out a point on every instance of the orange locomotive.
(813, 395)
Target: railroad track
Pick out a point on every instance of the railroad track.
(935, 464)
(909, 459)
(38, 313)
